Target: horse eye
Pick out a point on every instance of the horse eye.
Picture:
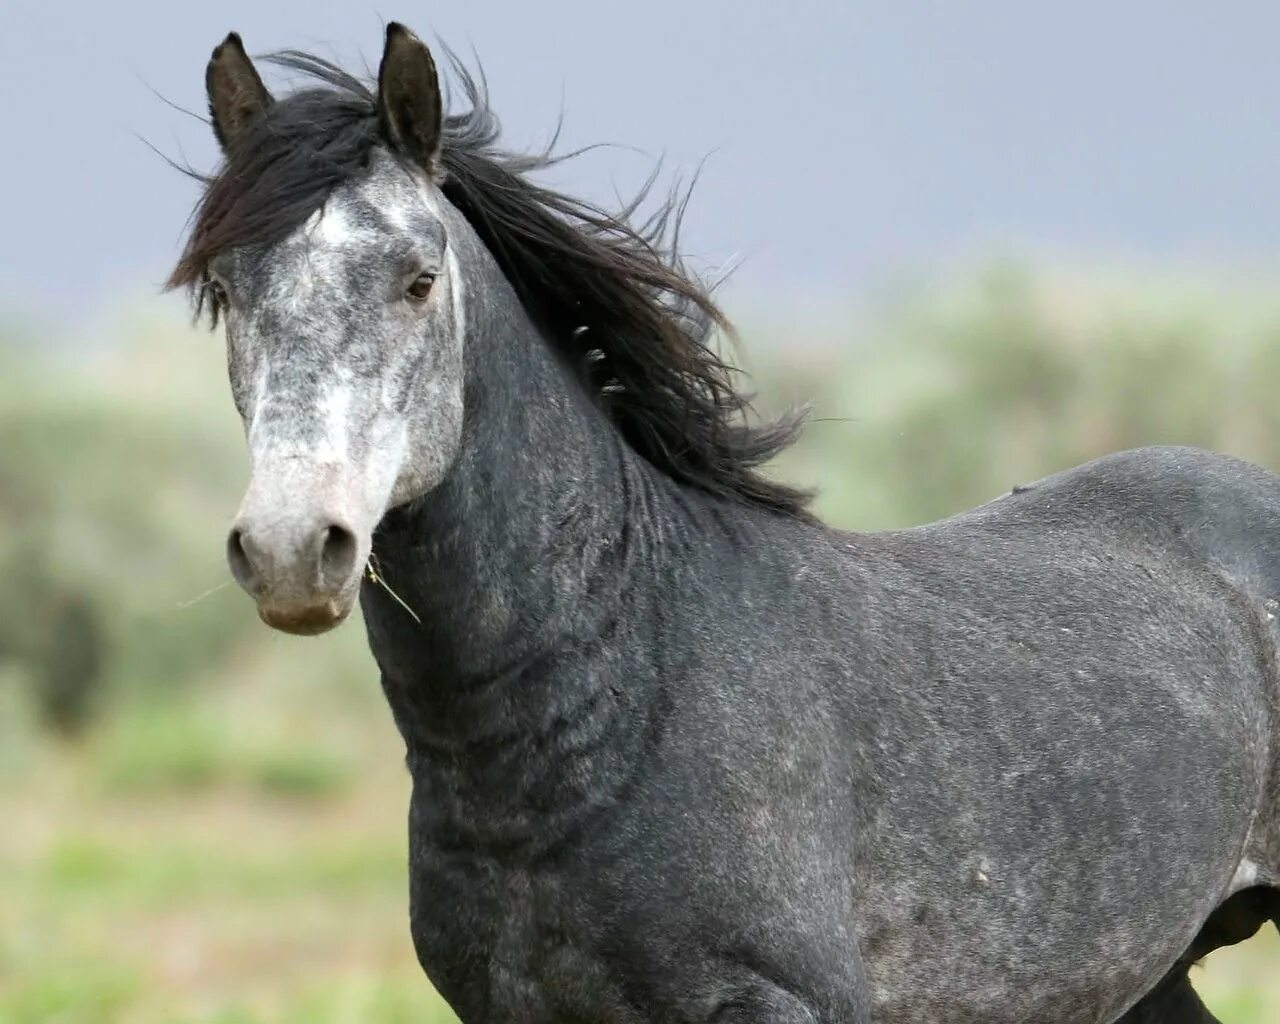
(421, 286)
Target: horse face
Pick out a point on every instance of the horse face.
(345, 357)
(344, 348)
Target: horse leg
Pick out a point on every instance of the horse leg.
(1174, 1001)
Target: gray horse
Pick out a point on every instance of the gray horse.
(680, 752)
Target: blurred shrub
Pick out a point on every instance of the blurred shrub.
(182, 747)
(955, 394)
(71, 666)
(55, 632)
(299, 772)
(167, 749)
(112, 509)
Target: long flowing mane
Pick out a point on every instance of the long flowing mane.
(611, 295)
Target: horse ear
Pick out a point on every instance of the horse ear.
(236, 93)
(410, 112)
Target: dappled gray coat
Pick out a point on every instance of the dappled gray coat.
(680, 752)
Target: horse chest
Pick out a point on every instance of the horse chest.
(505, 944)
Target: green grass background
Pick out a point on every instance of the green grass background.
(221, 837)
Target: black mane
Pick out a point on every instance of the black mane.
(613, 297)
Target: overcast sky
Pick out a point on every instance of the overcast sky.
(847, 139)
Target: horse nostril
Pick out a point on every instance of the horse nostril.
(337, 553)
(242, 567)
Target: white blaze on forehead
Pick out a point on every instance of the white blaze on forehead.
(323, 241)
(335, 228)
(330, 228)
(397, 215)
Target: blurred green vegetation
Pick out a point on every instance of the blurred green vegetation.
(1003, 377)
(204, 821)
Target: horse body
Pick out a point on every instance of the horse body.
(1005, 772)
(680, 752)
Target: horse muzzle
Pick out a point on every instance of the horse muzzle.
(303, 571)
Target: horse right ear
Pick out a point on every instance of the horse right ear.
(237, 96)
(410, 111)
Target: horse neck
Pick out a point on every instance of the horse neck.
(516, 564)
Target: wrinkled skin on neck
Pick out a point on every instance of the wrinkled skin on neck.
(351, 390)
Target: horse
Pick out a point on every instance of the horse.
(680, 751)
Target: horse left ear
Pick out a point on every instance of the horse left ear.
(410, 111)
